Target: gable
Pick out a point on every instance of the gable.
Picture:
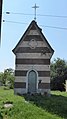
(33, 37)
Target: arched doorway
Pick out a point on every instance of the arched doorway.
(32, 82)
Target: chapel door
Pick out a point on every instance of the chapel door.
(32, 82)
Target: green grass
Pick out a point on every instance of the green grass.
(33, 107)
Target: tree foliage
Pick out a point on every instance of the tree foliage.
(58, 74)
(7, 78)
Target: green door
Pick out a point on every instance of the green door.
(32, 82)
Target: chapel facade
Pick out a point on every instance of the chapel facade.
(32, 62)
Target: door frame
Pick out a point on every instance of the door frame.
(27, 80)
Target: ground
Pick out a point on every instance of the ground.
(33, 107)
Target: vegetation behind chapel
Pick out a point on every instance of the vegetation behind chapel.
(7, 78)
(58, 74)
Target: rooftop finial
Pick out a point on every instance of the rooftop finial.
(35, 7)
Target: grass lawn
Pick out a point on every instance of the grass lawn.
(33, 107)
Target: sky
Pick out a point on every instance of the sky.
(52, 19)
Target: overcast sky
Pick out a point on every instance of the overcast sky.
(52, 19)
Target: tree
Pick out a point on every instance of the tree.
(1, 78)
(7, 78)
(58, 74)
(10, 80)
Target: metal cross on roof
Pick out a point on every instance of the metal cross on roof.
(35, 7)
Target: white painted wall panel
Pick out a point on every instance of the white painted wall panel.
(23, 91)
(33, 32)
(33, 55)
(20, 90)
(20, 79)
(26, 44)
(33, 67)
(24, 79)
(44, 79)
(42, 91)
